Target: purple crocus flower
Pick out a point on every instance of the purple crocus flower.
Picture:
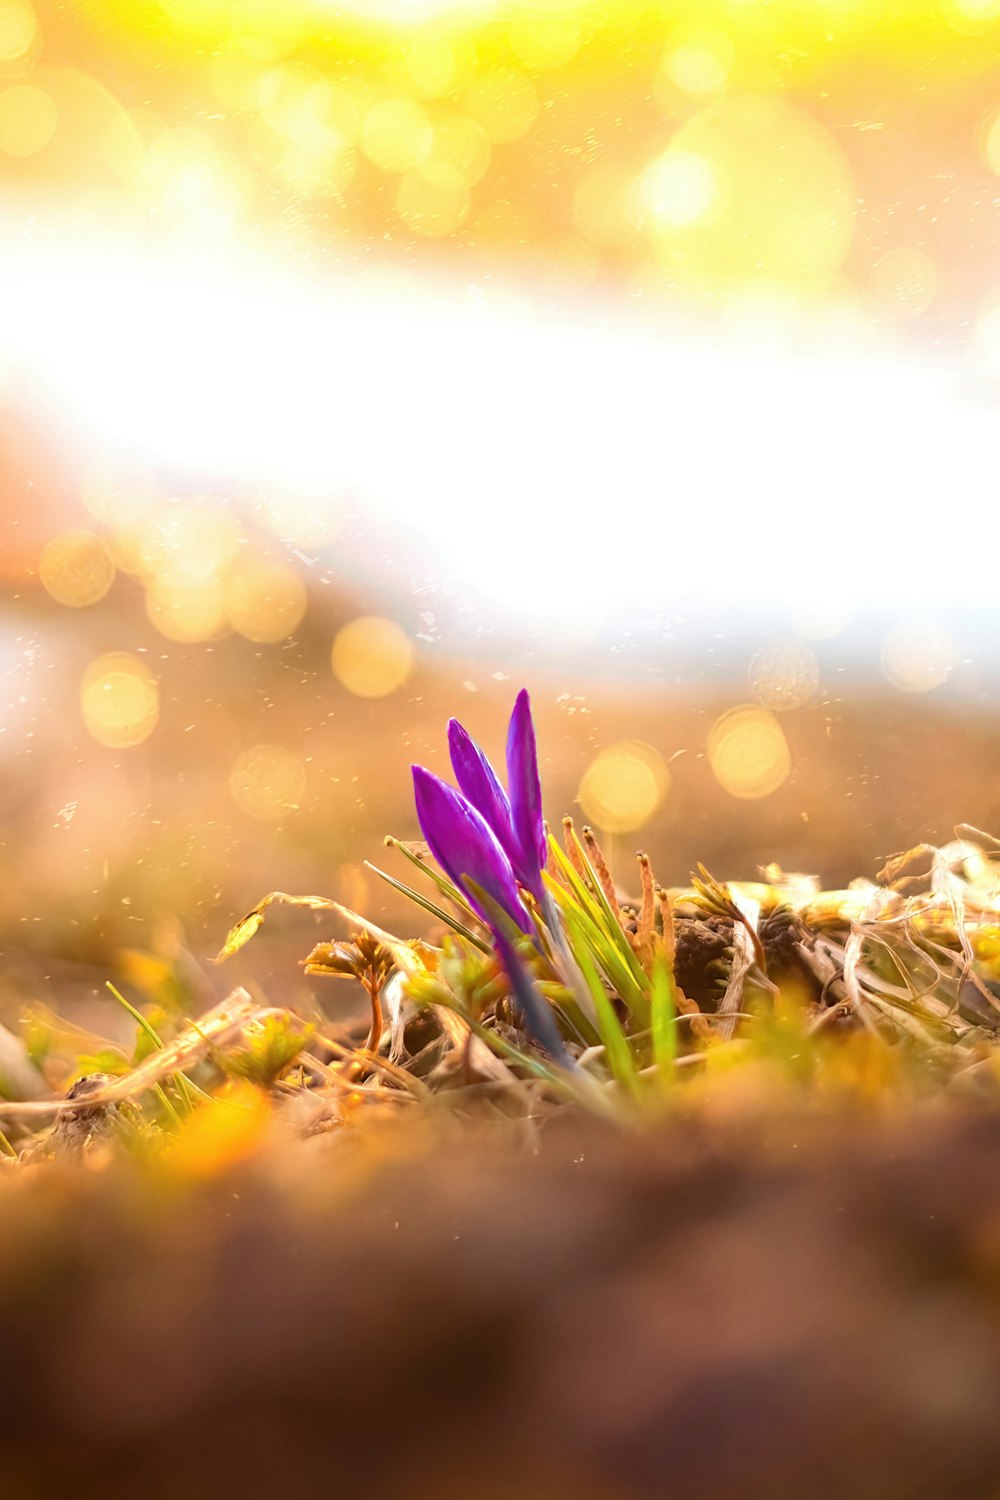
(515, 820)
(466, 847)
(484, 839)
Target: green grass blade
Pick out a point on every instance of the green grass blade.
(606, 952)
(447, 888)
(184, 1086)
(616, 1046)
(599, 909)
(663, 1016)
(432, 908)
(611, 917)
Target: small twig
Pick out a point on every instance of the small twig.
(648, 913)
(373, 985)
(600, 866)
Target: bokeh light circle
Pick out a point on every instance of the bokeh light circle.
(751, 188)
(463, 145)
(29, 119)
(264, 601)
(624, 786)
(918, 654)
(698, 64)
(748, 752)
(785, 675)
(120, 700)
(77, 568)
(504, 103)
(372, 657)
(396, 135)
(18, 29)
(186, 610)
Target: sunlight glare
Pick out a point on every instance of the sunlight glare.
(468, 422)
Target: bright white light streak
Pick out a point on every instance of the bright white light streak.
(524, 448)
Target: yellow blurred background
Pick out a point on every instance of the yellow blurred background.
(362, 363)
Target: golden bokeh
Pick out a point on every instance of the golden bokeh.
(189, 182)
(77, 568)
(268, 781)
(624, 786)
(372, 656)
(183, 552)
(123, 505)
(28, 119)
(904, 280)
(438, 62)
(18, 29)
(541, 40)
(396, 134)
(265, 601)
(462, 145)
(313, 141)
(433, 198)
(183, 541)
(293, 98)
(504, 103)
(785, 675)
(990, 140)
(751, 189)
(97, 145)
(120, 700)
(748, 752)
(186, 609)
(698, 63)
(318, 165)
(679, 188)
(918, 654)
(226, 1129)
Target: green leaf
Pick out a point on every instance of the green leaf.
(616, 1046)
(273, 1045)
(597, 906)
(605, 951)
(106, 1060)
(184, 1086)
(429, 906)
(444, 885)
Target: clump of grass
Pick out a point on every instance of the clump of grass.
(887, 988)
(541, 984)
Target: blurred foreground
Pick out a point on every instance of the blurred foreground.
(750, 1303)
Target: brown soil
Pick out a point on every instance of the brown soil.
(784, 1308)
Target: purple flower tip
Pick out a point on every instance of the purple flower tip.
(525, 792)
(465, 846)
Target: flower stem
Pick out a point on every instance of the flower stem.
(373, 986)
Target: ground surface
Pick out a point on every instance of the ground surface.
(752, 1300)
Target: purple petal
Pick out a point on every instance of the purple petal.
(465, 846)
(479, 783)
(526, 794)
